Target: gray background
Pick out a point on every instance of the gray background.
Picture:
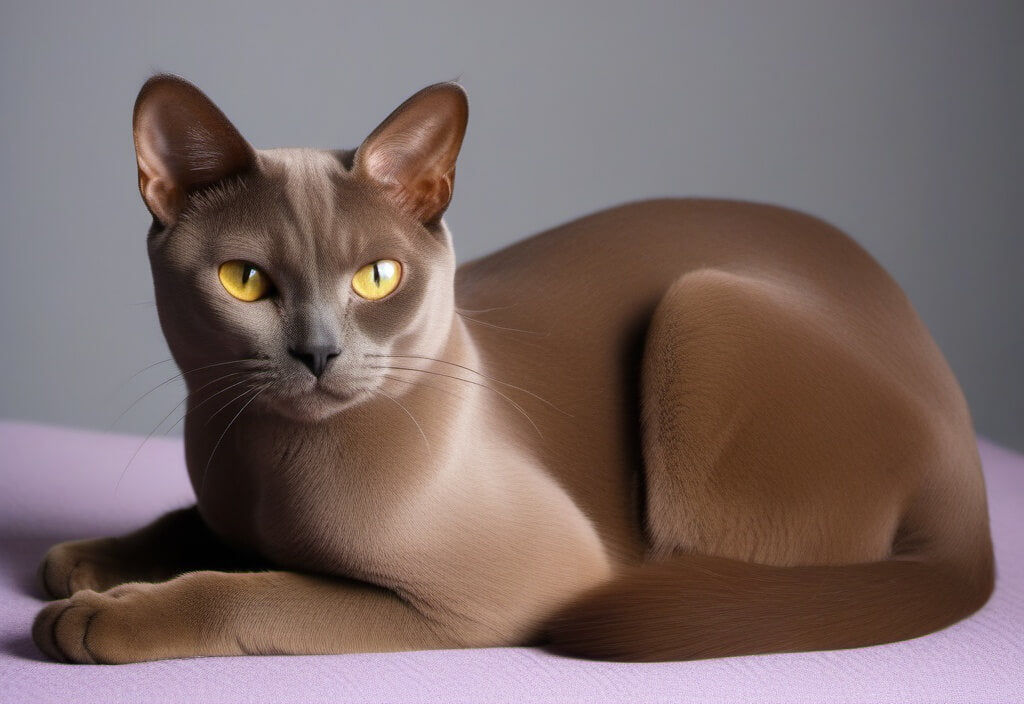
(898, 121)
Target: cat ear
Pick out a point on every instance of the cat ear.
(412, 153)
(183, 142)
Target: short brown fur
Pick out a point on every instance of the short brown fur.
(672, 429)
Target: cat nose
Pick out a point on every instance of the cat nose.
(315, 357)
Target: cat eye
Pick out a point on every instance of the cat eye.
(374, 281)
(244, 280)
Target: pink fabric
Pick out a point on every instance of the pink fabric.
(62, 484)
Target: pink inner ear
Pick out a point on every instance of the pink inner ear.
(182, 142)
(413, 151)
(155, 178)
(414, 180)
(163, 198)
(417, 178)
(437, 192)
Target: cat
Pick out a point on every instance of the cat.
(673, 429)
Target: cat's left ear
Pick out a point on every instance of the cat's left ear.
(183, 143)
(412, 153)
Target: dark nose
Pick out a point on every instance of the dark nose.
(315, 357)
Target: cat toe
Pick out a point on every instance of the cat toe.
(43, 630)
(44, 580)
(71, 567)
(61, 573)
(61, 629)
(70, 630)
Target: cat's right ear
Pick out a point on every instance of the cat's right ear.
(183, 142)
(411, 155)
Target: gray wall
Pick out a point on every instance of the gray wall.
(898, 121)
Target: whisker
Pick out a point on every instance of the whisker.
(499, 327)
(220, 378)
(212, 415)
(408, 413)
(168, 381)
(481, 310)
(206, 469)
(147, 368)
(121, 384)
(220, 364)
(138, 449)
(474, 371)
(208, 398)
(136, 402)
(470, 381)
(164, 420)
(426, 386)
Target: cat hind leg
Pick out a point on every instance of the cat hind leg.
(788, 503)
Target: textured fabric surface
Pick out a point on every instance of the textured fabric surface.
(60, 484)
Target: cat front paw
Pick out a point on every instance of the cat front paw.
(60, 629)
(81, 564)
(94, 628)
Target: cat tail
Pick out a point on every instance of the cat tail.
(697, 606)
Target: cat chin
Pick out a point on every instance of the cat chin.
(316, 406)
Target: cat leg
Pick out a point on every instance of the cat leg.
(222, 613)
(769, 435)
(800, 495)
(176, 542)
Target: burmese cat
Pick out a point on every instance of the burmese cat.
(673, 429)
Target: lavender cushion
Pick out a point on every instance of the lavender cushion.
(61, 484)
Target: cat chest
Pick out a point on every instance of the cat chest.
(316, 517)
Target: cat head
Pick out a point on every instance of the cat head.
(287, 270)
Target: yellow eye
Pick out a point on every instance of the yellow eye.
(374, 281)
(244, 281)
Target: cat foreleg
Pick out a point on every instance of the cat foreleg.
(177, 542)
(222, 613)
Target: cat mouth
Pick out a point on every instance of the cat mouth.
(317, 400)
(343, 396)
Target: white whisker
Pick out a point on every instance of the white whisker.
(408, 413)
(499, 327)
(469, 381)
(481, 374)
(206, 469)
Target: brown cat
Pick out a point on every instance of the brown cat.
(673, 429)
